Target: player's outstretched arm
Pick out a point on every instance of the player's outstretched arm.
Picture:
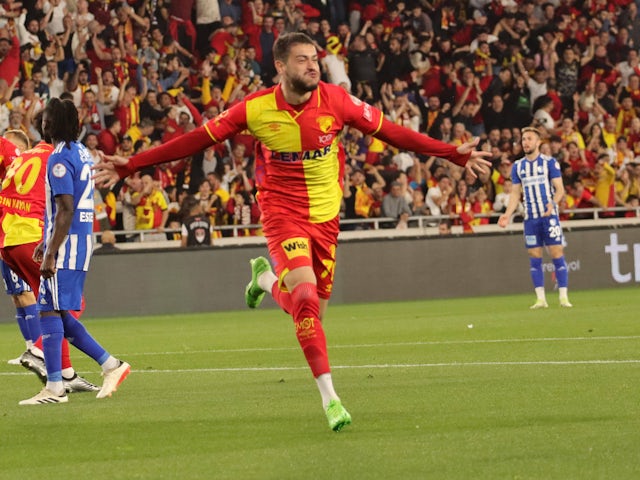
(477, 162)
(105, 173)
(464, 155)
(224, 126)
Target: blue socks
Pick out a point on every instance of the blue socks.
(32, 318)
(78, 336)
(562, 273)
(537, 277)
(22, 323)
(52, 334)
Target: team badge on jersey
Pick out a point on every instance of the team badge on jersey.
(59, 170)
(325, 122)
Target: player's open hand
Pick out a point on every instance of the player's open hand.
(105, 174)
(48, 266)
(477, 162)
(38, 252)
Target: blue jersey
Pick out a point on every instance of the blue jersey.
(535, 177)
(69, 173)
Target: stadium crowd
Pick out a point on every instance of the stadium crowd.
(142, 72)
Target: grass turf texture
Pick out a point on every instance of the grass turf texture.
(546, 394)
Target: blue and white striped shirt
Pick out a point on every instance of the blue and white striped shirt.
(69, 173)
(535, 177)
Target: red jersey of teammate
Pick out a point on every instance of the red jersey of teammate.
(22, 200)
(299, 158)
(8, 152)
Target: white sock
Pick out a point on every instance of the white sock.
(110, 363)
(29, 344)
(540, 293)
(68, 373)
(266, 280)
(325, 385)
(563, 292)
(37, 352)
(57, 388)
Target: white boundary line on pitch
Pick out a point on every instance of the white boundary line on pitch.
(391, 344)
(378, 366)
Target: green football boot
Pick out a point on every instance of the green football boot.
(253, 294)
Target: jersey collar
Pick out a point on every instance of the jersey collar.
(282, 104)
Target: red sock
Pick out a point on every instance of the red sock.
(306, 311)
(66, 359)
(38, 343)
(282, 298)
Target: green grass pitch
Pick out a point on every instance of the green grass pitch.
(474, 388)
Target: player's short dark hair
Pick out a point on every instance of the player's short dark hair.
(283, 44)
(62, 122)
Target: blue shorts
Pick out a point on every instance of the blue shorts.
(542, 231)
(13, 284)
(61, 292)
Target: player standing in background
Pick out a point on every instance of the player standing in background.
(299, 174)
(22, 206)
(538, 179)
(65, 253)
(12, 143)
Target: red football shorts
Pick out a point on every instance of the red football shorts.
(20, 260)
(296, 243)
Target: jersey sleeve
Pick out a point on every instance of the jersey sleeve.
(554, 168)
(515, 178)
(61, 173)
(162, 203)
(371, 121)
(361, 115)
(222, 127)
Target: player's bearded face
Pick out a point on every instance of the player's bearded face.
(302, 69)
(530, 143)
(302, 83)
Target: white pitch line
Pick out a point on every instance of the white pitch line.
(392, 344)
(378, 366)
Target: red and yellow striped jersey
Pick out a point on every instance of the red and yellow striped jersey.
(299, 157)
(22, 199)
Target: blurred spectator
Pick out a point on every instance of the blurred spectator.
(460, 206)
(180, 26)
(245, 212)
(109, 138)
(444, 227)
(438, 196)
(362, 60)
(90, 114)
(196, 229)
(230, 8)
(480, 205)
(582, 198)
(358, 198)
(502, 199)
(495, 114)
(395, 205)
(627, 186)
(107, 243)
(151, 209)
